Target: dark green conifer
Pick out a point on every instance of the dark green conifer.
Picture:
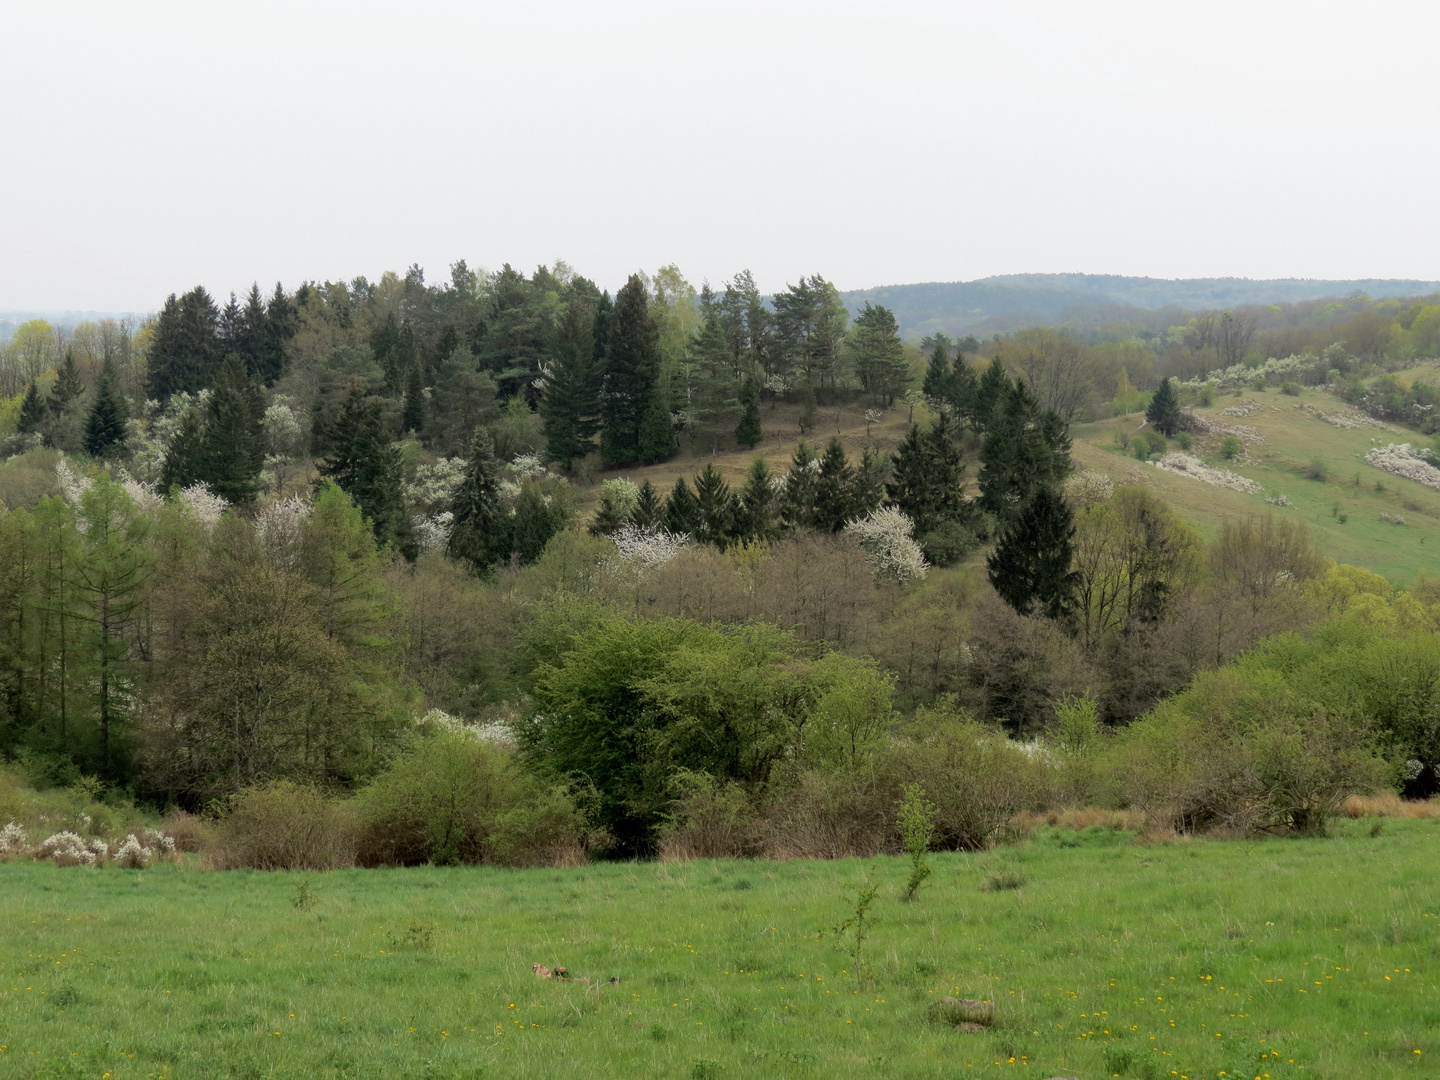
(938, 374)
(927, 480)
(649, 507)
(67, 387)
(1163, 413)
(1026, 449)
(715, 505)
(479, 532)
(632, 375)
(233, 449)
(797, 503)
(183, 456)
(412, 418)
(834, 489)
(366, 464)
(682, 511)
(747, 432)
(657, 433)
(570, 401)
(1030, 567)
(105, 426)
(757, 508)
(990, 394)
(32, 411)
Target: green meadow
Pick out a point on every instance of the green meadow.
(1104, 956)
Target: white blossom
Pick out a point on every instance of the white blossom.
(1088, 488)
(1195, 469)
(146, 499)
(13, 840)
(777, 384)
(433, 533)
(133, 854)
(280, 526)
(432, 488)
(73, 485)
(528, 465)
(886, 536)
(647, 548)
(199, 500)
(67, 849)
(1400, 459)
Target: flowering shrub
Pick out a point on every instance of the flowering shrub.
(204, 504)
(13, 840)
(1088, 488)
(647, 548)
(279, 526)
(67, 849)
(1400, 459)
(1195, 469)
(133, 855)
(886, 535)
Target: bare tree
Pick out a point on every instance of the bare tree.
(1233, 336)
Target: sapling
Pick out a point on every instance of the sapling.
(917, 826)
(857, 927)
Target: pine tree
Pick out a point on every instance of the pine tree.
(879, 355)
(232, 449)
(105, 426)
(797, 503)
(412, 417)
(657, 433)
(254, 338)
(834, 489)
(615, 507)
(649, 508)
(183, 351)
(682, 511)
(632, 375)
(748, 433)
(479, 532)
(570, 402)
(807, 409)
(1030, 567)
(715, 401)
(927, 480)
(282, 319)
(1163, 413)
(32, 411)
(1026, 449)
(716, 507)
(366, 465)
(757, 508)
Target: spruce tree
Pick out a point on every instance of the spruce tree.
(757, 507)
(938, 374)
(716, 400)
(632, 375)
(570, 402)
(412, 417)
(254, 337)
(649, 508)
(990, 394)
(366, 464)
(834, 489)
(878, 353)
(657, 433)
(747, 432)
(1163, 412)
(32, 411)
(1026, 449)
(797, 503)
(479, 532)
(927, 478)
(682, 511)
(233, 448)
(715, 505)
(105, 426)
(66, 388)
(282, 319)
(183, 350)
(183, 455)
(1030, 567)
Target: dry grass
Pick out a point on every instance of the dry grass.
(1086, 817)
(1390, 805)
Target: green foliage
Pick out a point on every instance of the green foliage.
(857, 926)
(1031, 565)
(878, 355)
(1026, 450)
(927, 478)
(105, 426)
(748, 432)
(1230, 447)
(365, 463)
(231, 450)
(631, 423)
(916, 819)
(1163, 412)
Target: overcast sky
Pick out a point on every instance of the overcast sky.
(152, 146)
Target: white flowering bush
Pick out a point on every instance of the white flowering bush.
(1195, 469)
(887, 538)
(280, 526)
(146, 499)
(432, 489)
(528, 465)
(1402, 460)
(100, 848)
(647, 549)
(433, 533)
(1085, 489)
(14, 841)
(73, 485)
(202, 503)
(134, 855)
(1238, 374)
(67, 849)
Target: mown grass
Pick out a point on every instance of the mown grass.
(1294, 439)
(1271, 958)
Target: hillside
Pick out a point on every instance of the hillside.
(1013, 301)
(1294, 438)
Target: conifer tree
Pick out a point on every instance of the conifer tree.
(412, 417)
(649, 507)
(879, 355)
(657, 433)
(570, 402)
(183, 349)
(807, 409)
(105, 426)
(632, 375)
(366, 465)
(32, 411)
(990, 393)
(797, 504)
(757, 508)
(1163, 412)
(184, 454)
(1030, 567)
(682, 511)
(927, 479)
(67, 387)
(834, 489)
(747, 432)
(715, 400)
(1026, 449)
(479, 532)
(233, 449)
(281, 321)
(715, 505)
(938, 374)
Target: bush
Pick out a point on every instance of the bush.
(1291, 388)
(1186, 441)
(711, 819)
(1316, 470)
(285, 826)
(547, 829)
(1206, 395)
(818, 815)
(948, 543)
(1230, 448)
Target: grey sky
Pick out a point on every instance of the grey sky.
(151, 146)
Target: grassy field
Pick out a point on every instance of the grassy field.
(1204, 959)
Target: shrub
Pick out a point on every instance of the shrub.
(818, 815)
(547, 829)
(1230, 448)
(1291, 388)
(711, 819)
(437, 803)
(1186, 441)
(948, 543)
(285, 826)
(1316, 470)
(1206, 395)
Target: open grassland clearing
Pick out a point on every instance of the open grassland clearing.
(1341, 501)
(1103, 956)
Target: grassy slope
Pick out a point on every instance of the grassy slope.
(1279, 958)
(1294, 438)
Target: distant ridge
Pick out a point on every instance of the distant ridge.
(1010, 301)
